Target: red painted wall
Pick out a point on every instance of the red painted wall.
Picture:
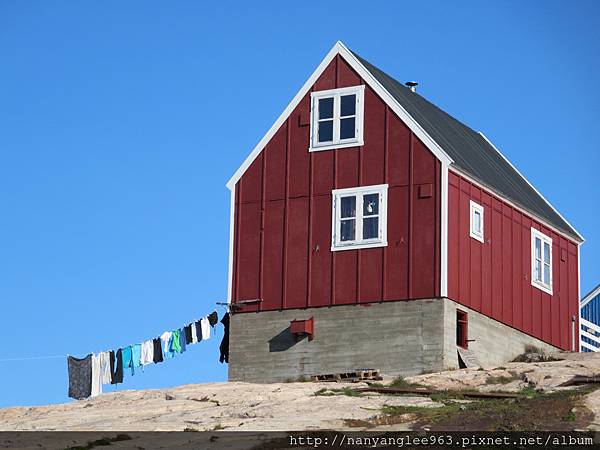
(494, 277)
(283, 214)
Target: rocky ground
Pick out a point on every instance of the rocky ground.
(316, 406)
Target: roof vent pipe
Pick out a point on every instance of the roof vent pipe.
(412, 85)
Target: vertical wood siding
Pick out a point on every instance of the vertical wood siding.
(494, 277)
(283, 214)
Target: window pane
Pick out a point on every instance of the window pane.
(477, 222)
(348, 230)
(348, 107)
(537, 272)
(347, 128)
(546, 274)
(348, 207)
(371, 228)
(326, 131)
(538, 248)
(546, 253)
(370, 204)
(326, 108)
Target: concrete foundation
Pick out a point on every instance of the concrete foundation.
(398, 338)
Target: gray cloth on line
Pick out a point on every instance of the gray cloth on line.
(80, 377)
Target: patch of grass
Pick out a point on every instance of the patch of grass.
(218, 427)
(502, 379)
(400, 382)
(343, 391)
(571, 417)
(499, 380)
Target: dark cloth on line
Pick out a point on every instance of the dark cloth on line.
(213, 318)
(158, 351)
(111, 360)
(198, 326)
(80, 377)
(224, 347)
(118, 374)
(188, 334)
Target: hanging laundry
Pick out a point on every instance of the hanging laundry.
(194, 335)
(105, 367)
(136, 357)
(205, 325)
(158, 352)
(112, 359)
(87, 375)
(176, 342)
(96, 376)
(80, 377)
(118, 373)
(188, 334)
(224, 347)
(166, 339)
(147, 352)
(127, 360)
(198, 326)
(213, 318)
(182, 339)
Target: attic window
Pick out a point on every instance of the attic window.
(359, 217)
(476, 212)
(336, 118)
(541, 261)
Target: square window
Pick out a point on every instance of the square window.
(541, 261)
(359, 217)
(476, 221)
(337, 118)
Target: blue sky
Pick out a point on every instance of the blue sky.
(120, 123)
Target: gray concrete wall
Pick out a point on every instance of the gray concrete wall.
(397, 337)
(494, 343)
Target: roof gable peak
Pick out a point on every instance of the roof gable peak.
(340, 49)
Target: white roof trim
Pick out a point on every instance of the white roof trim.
(369, 79)
(532, 186)
(590, 296)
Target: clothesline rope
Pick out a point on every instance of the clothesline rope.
(31, 358)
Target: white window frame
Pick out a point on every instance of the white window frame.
(536, 234)
(475, 207)
(359, 242)
(336, 94)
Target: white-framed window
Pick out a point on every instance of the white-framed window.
(541, 261)
(336, 118)
(476, 221)
(359, 217)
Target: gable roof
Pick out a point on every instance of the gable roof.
(451, 141)
(472, 153)
(590, 296)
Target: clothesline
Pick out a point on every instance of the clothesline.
(88, 374)
(31, 358)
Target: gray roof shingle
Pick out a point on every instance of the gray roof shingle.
(471, 152)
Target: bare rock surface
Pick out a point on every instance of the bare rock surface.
(223, 406)
(284, 406)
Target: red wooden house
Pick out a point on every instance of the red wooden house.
(370, 229)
